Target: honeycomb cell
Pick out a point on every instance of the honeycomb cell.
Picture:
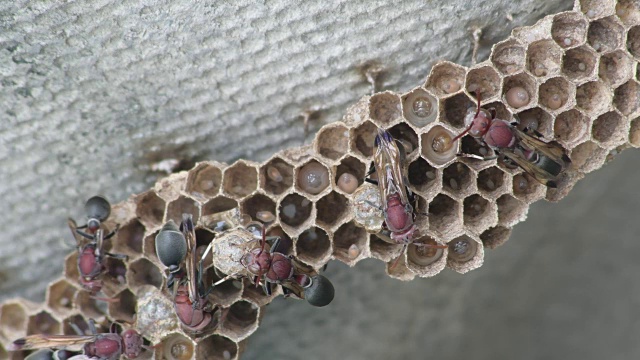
(114, 277)
(350, 169)
(616, 68)
(527, 189)
(536, 119)
(483, 80)
(455, 110)
(609, 129)
(150, 209)
(331, 209)
(72, 324)
(216, 347)
(406, 136)
(478, 213)
(144, 272)
(437, 146)
(240, 179)
(286, 244)
(149, 247)
(425, 261)
(332, 141)
(363, 138)
(556, 94)
(495, 236)
(627, 98)
(445, 78)
(511, 210)
(605, 35)
(423, 178)
(508, 56)
(628, 11)
(543, 58)
(571, 127)
(256, 295)
(227, 292)
(491, 181)
(517, 83)
(634, 133)
(214, 209)
(204, 180)
(384, 108)
(457, 179)
(241, 320)
(569, 29)
(294, 210)
(277, 176)
(419, 107)
(71, 267)
(42, 323)
(579, 64)
(596, 8)
(259, 207)
(13, 318)
(204, 237)
(313, 246)
(312, 178)
(588, 156)
(349, 243)
(175, 346)
(593, 98)
(633, 41)
(384, 250)
(130, 237)
(183, 205)
(60, 296)
(465, 254)
(444, 214)
(469, 145)
(87, 305)
(124, 309)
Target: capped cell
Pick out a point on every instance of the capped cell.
(419, 107)
(544, 58)
(579, 64)
(571, 127)
(277, 176)
(605, 35)
(385, 108)
(508, 56)
(332, 141)
(240, 179)
(569, 29)
(204, 180)
(445, 78)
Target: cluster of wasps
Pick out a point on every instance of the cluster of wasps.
(263, 259)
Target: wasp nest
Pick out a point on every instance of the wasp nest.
(573, 76)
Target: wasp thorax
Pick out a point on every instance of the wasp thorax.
(421, 107)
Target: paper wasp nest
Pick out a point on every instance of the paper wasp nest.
(580, 72)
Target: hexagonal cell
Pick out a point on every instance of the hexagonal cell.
(277, 176)
(423, 177)
(75, 325)
(362, 140)
(478, 213)
(511, 210)
(175, 347)
(256, 295)
(628, 11)
(423, 260)
(42, 323)
(569, 29)
(571, 126)
(455, 110)
(469, 145)
(445, 78)
(404, 134)
(294, 210)
(443, 214)
(350, 174)
(519, 91)
(13, 318)
(144, 272)
(332, 141)
(616, 68)
(588, 156)
(331, 208)
(286, 244)
(491, 181)
(508, 56)
(349, 243)
(213, 209)
(605, 35)
(484, 80)
(60, 296)
(465, 254)
(88, 305)
(240, 179)
(384, 108)
(527, 188)
(419, 107)
(130, 237)
(149, 247)
(312, 177)
(114, 278)
(204, 180)
(536, 119)
(609, 129)
(496, 236)
(627, 98)
(633, 41)
(241, 320)
(383, 250)
(579, 64)
(437, 147)
(71, 267)
(124, 308)
(227, 292)
(259, 207)
(313, 245)
(183, 205)
(216, 347)
(457, 179)
(593, 98)
(150, 208)
(634, 132)
(543, 58)
(555, 94)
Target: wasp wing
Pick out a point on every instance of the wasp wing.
(532, 169)
(552, 151)
(388, 164)
(41, 341)
(189, 235)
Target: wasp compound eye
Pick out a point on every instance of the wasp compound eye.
(171, 245)
(320, 292)
(98, 208)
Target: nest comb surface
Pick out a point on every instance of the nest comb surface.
(588, 57)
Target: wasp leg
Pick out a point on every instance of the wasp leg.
(478, 157)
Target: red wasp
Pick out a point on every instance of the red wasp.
(99, 346)
(515, 147)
